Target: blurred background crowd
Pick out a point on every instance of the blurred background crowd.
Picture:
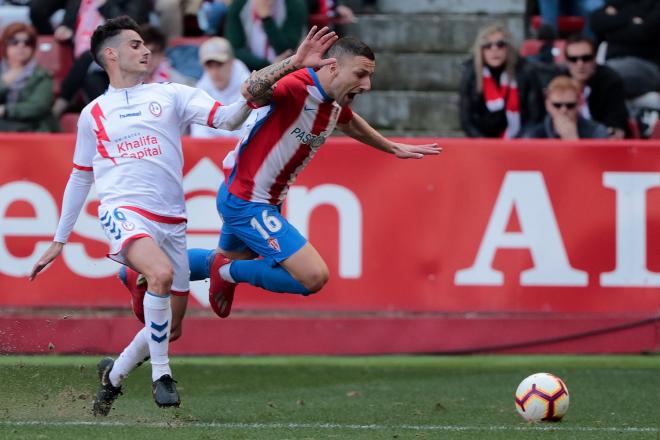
(582, 68)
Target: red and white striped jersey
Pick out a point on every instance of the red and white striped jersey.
(284, 139)
(131, 140)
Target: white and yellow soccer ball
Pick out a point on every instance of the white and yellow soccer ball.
(542, 397)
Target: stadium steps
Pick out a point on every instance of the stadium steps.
(408, 112)
(420, 45)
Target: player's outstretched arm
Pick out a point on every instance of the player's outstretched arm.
(360, 130)
(74, 198)
(309, 54)
(51, 253)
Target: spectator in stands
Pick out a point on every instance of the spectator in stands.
(211, 16)
(80, 20)
(499, 93)
(173, 14)
(631, 29)
(159, 69)
(552, 9)
(222, 79)
(603, 97)
(265, 31)
(26, 89)
(41, 12)
(337, 12)
(563, 121)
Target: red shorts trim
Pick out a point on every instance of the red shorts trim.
(82, 168)
(130, 239)
(209, 122)
(178, 293)
(156, 217)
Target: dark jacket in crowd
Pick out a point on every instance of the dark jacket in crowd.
(477, 121)
(607, 99)
(138, 10)
(623, 36)
(32, 109)
(587, 129)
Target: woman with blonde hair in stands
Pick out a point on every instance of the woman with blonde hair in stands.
(499, 93)
(26, 89)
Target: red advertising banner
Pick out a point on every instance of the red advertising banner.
(488, 226)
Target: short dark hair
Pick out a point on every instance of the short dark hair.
(350, 46)
(579, 38)
(107, 30)
(153, 35)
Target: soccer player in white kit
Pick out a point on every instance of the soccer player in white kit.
(129, 145)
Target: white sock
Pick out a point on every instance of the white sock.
(225, 274)
(158, 321)
(132, 356)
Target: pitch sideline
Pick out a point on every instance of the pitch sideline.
(330, 426)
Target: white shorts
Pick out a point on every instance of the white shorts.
(122, 226)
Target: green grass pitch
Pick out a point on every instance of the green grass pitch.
(390, 397)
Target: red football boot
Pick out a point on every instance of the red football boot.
(221, 292)
(136, 283)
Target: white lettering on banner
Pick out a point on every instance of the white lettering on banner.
(527, 194)
(42, 224)
(631, 262)
(301, 203)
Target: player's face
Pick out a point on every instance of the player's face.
(494, 50)
(352, 77)
(580, 60)
(132, 54)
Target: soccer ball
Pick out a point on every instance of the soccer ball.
(542, 397)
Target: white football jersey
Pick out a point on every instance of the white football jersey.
(131, 140)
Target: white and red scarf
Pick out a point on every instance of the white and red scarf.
(505, 97)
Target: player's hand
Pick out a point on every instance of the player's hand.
(406, 151)
(311, 50)
(51, 253)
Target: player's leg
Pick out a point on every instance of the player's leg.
(262, 229)
(304, 272)
(146, 257)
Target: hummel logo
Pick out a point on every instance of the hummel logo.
(308, 109)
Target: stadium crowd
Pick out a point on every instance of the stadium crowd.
(601, 56)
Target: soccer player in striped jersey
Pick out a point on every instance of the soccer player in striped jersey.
(305, 107)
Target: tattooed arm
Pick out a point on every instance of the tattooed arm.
(309, 54)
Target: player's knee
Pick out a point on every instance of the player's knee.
(160, 278)
(316, 279)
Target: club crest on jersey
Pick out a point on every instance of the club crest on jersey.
(155, 108)
(273, 243)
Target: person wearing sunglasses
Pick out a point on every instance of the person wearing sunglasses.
(499, 94)
(563, 120)
(26, 89)
(600, 87)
